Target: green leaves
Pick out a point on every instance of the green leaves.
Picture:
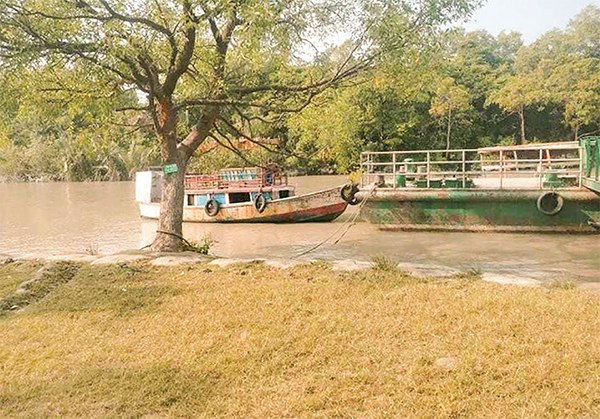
(560, 70)
(449, 98)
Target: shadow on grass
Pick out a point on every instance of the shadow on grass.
(125, 301)
(12, 274)
(45, 281)
(125, 290)
(114, 392)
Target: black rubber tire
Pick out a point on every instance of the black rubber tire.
(212, 208)
(348, 192)
(260, 202)
(550, 203)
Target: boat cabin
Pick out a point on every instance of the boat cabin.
(236, 186)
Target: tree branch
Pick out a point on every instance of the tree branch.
(199, 133)
(180, 65)
(339, 76)
(133, 108)
(231, 147)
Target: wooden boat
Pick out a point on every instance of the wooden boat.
(250, 195)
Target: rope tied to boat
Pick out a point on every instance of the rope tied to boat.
(348, 225)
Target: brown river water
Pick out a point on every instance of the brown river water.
(42, 219)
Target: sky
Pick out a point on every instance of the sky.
(531, 18)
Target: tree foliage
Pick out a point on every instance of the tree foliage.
(449, 102)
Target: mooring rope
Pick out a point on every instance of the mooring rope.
(360, 207)
(348, 224)
(170, 234)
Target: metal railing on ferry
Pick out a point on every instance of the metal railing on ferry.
(493, 168)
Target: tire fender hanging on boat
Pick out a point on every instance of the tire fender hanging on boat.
(550, 203)
(260, 202)
(212, 207)
(348, 191)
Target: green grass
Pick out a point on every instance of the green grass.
(46, 278)
(253, 341)
(13, 274)
(121, 290)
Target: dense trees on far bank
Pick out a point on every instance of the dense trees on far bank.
(48, 133)
(467, 90)
(459, 89)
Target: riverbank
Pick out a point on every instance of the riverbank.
(207, 338)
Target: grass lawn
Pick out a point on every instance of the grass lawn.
(11, 275)
(249, 341)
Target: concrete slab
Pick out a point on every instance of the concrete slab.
(351, 265)
(181, 259)
(509, 279)
(119, 258)
(77, 258)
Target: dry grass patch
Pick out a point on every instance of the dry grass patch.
(253, 341)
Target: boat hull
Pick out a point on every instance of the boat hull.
(319, 206)
(480, 210)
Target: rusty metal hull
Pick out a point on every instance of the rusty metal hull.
(319, 206)
(480, 210)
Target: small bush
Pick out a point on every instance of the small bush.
(473, 274)
(384, 263)
(355, 177)
(561, 284)
(92, 249)
(203, 246)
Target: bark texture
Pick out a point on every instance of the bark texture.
(170, 228)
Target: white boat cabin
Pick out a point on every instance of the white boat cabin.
(227, 187)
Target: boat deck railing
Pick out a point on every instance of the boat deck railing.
(495, 168)
(254, 177)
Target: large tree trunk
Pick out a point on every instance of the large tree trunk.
(169, 231)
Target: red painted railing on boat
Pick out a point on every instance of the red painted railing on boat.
(254, 177)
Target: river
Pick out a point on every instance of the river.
(41, 219)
